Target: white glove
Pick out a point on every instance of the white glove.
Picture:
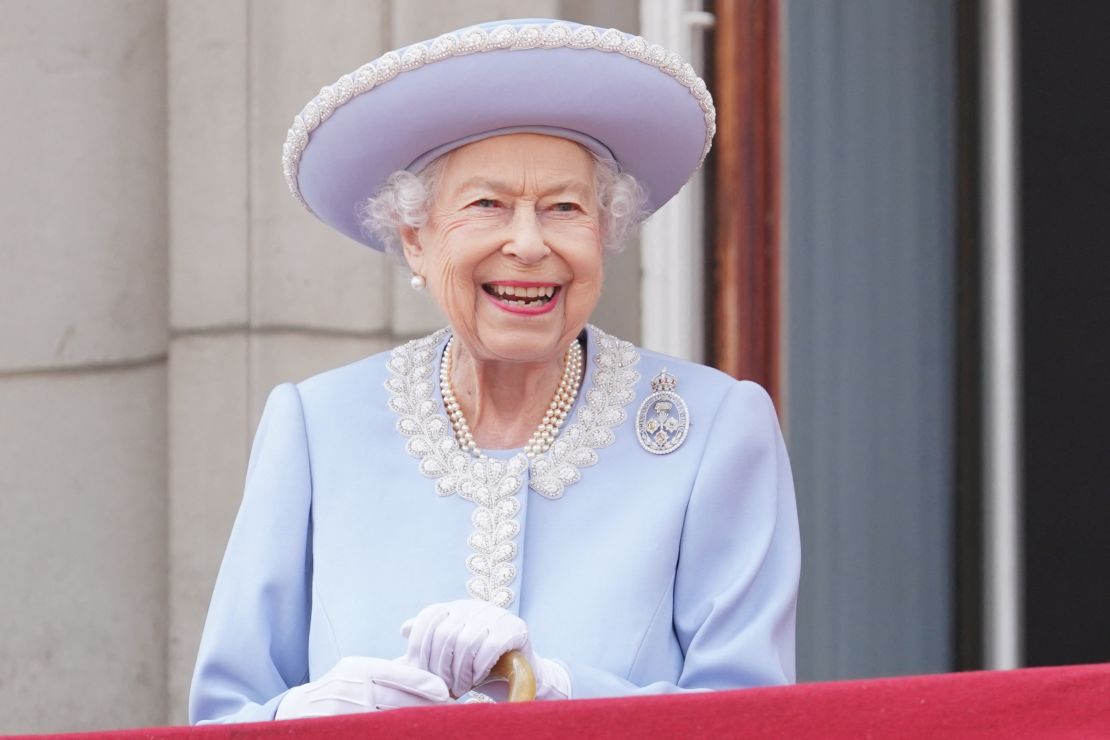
(460, 641)
(357, 684)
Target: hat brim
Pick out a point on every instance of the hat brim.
(649, 119)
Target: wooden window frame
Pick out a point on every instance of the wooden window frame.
(746, 176)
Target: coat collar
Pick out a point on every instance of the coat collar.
(493, 483)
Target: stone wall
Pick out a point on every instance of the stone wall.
(83, 341)
(157, 281)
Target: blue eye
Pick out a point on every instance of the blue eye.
(566, 207)
(485, 203)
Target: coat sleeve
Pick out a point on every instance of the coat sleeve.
(736, 583)
(255, 641)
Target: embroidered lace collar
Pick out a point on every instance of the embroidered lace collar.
(492, 484)
(611, 376)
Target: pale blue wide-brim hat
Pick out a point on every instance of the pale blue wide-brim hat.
(621, 97)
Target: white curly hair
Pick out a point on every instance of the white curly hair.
(406, 198)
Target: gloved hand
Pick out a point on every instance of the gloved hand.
(460, 641)
(357, 684)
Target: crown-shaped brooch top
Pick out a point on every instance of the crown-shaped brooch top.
(664, 381)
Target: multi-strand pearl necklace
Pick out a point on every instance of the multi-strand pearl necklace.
(553, 418)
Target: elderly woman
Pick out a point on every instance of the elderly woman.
(519, 480)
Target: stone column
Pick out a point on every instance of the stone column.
(209, 268)
(261, 292)
(82, 365)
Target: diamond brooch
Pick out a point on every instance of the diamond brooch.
(663, 419)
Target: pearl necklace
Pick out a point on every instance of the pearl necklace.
(556, 413)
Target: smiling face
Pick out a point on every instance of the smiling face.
(512, 247)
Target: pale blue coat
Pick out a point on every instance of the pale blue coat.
(648, 574)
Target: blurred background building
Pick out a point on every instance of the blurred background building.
(902, 232)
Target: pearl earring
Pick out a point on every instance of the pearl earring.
(417, 282)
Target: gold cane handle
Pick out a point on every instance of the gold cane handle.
(514, 668)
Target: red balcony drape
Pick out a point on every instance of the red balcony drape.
(1071, 702)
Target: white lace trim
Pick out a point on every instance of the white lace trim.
(613, 381)
(492, 484)
(477, 40)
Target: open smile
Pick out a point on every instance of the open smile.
(525, 298)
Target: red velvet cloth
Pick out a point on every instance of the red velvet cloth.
(1072, 702)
